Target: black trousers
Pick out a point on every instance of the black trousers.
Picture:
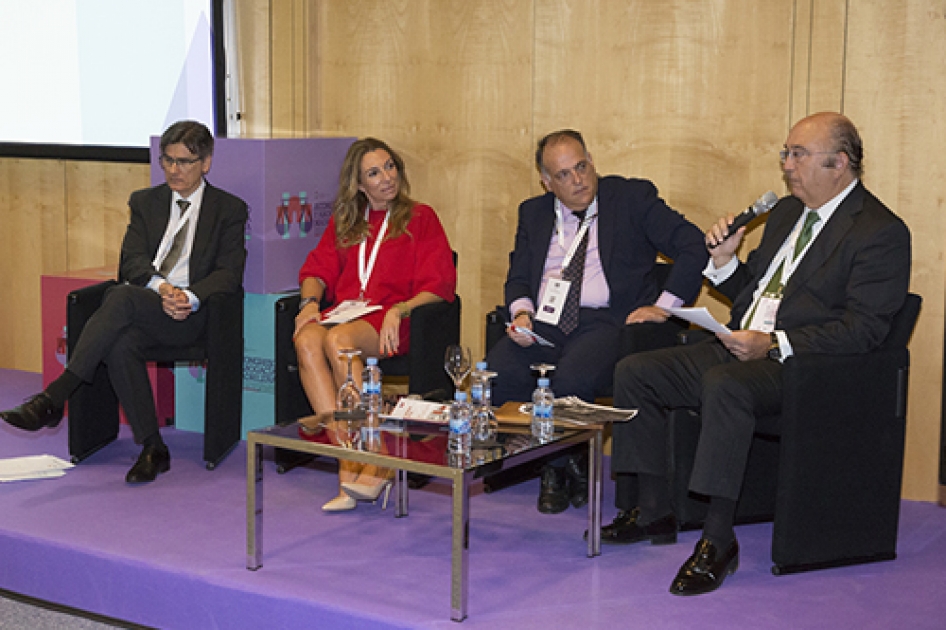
(129, 322)
(730, 394)
(584, 360)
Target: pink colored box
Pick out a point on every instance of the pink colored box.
(54, 290)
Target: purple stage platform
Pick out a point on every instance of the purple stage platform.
(172, 555)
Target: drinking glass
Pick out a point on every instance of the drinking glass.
(456, 361)
(348, 403)
(542, 368)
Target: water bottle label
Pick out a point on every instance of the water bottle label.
(459, 425)
(476, 393)
(542, 411)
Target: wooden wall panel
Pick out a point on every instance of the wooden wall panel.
(32, 241)
(895, 93)
(447, 84)
(254, 49)
(818, 54)
(97, 210)
(689, 94)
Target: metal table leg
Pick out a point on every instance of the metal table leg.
(595, 472)
(254, 505)
(460, 566)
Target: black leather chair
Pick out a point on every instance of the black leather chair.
(433, 328)
(93, 408)
(827, 469)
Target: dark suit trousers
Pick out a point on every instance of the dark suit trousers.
(129, 321)
(584, 360)
(730, 394)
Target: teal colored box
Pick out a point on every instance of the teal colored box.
(258, 371)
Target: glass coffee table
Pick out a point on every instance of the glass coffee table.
(420, 447)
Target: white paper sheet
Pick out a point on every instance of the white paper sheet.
(32, 467)
(701, 317)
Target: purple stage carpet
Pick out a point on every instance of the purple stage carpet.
(172, 555)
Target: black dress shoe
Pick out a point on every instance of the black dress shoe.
(576, 470)
(553, 496)
(625, 530)
(153, 461)
(36, 413)
(706, 569)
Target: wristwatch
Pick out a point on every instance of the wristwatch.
(775, 351)
(304, 302)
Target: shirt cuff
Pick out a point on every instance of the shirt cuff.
(155, 282)
(521, 304)
(718, 276)
(784, 345)
(668, 300)
(195, 303)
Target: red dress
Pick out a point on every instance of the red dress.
(418, 260)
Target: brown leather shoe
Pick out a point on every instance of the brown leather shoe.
(153, 461)
(36, 413)
(706, 569)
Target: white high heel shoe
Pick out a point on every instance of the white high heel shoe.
(364, 492)
(341, 503)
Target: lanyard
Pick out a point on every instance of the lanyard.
(560, 226)
(364, 272)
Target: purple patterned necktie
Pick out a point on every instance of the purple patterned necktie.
(574, 273)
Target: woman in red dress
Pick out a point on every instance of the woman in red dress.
(382, 247)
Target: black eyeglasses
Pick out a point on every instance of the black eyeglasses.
(168, 162)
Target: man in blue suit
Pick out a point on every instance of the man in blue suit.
(593, 241)
(184, 243)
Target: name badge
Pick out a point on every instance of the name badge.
(553, 300)
(763, 319)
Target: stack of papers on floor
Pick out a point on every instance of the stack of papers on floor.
(32, 467)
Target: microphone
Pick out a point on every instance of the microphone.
(762, 205)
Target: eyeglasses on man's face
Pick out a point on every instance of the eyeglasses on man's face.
(167, 162)
(565, 174)
(799, 153)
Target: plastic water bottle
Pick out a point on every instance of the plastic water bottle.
(460, 438)
(543, 425)
(481, 400)
(371, 386)
(371, 399)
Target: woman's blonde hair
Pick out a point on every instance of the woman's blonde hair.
(350, 203)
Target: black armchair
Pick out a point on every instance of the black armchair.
(828, 469)
(93, 408)
(433, 328)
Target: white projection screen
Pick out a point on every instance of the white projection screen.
(95, 79)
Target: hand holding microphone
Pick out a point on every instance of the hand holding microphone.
(762, 205)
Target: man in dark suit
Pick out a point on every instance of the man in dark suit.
(608, 231)
(184, 243)
(831, 271)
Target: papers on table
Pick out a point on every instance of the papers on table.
(701, 317)
(32, 467)
(424, 410)
(574, 410)
(348, 311)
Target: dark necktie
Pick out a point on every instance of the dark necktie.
(177, 246)
(574, 273)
